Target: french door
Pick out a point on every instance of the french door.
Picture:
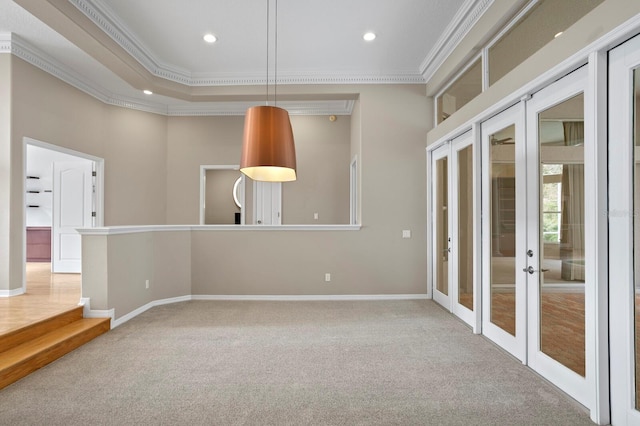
(534, 244)
(624, 232)
(454, 202)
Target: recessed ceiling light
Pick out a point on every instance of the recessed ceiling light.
(147, 92)
(210, 38)
(369, 36)
(558, 35)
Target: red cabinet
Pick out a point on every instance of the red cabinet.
(38, 244)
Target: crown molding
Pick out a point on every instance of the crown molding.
(17, 46)
(239, 108)
(106, 20)
(467, 16)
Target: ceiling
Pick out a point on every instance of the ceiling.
(113, 49)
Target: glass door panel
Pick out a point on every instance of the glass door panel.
(504, 296)
(503, 229)
(441, 222)
(442, 226)
(465, 227)
(562, 233)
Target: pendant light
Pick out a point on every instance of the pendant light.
(268, 149)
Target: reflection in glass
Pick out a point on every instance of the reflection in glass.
(544, 21)
(503, 229)
(441, 227)
(636, 231)
(465, 88)
(465, 227)
(562, 277)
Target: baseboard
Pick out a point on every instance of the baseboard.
(117, 322)
(11, 293)
(87, 312)
(333, 297)
(311, 297)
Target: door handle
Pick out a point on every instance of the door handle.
(531, 270)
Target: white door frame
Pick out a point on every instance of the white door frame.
(203, 189)
(622, 61)
(98, 188)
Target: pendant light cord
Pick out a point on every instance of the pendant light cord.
(275, 82)
(268, 1)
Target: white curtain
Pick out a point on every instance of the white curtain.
(572, 231)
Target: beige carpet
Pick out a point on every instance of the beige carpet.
(289, 363)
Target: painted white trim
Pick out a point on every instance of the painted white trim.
(203, 188)
(12, 292)
(311, 297)
(116, 230)
(279, 298)
(119, 321)
(14, 44)
(104, 18)
(466, 17)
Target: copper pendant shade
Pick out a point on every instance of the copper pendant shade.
(268, 150)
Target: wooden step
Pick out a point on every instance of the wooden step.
(31, 355)
(36, 329)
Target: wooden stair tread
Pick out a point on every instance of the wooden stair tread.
(39, 328)
(29, 356)
(49, 340)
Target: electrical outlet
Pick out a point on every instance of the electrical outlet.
(406, 233)
(327, 277)
(146, 284)
(315, 216)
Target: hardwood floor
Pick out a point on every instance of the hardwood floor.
(47, 295)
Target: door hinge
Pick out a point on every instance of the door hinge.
(94, 174)
(93, 214)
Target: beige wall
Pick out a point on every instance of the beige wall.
(132, 144)
(152, 168)
(323, 156)
(322, 151)
(192, 142)
(373, 260)
(5, 173)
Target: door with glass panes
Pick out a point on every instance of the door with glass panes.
(454, 224)
(535, 252)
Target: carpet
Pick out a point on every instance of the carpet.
(289, 363)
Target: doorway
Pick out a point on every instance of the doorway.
(62, 193)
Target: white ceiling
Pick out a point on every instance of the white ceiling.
(319, 42)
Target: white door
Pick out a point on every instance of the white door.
(504, 297)
(268, 203)
(453, 232)
(557, 239)
(624, 232)
(441, 232)
(464, 259)
(72, 207)
(536, 284)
